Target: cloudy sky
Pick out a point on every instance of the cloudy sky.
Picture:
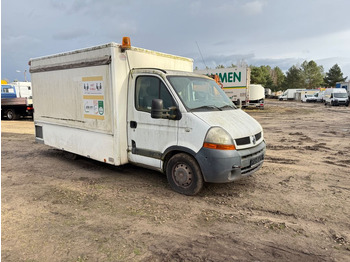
(259, 32)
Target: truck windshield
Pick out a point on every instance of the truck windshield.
(340, 95)
(200, 94)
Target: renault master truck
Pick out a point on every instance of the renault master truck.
(120, 104)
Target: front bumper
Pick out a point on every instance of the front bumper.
(222, 166)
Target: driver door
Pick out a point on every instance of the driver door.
(148, 138)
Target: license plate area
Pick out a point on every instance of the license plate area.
(256, 160)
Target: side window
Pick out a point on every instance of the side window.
(149, 88)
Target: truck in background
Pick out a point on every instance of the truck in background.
(319, 96)
(16, 100)
(268, 93)
(146, 108)
(256, 96)
(336, 97)
(345, 85)
(307, 95)
(289, 94)
(235, 82)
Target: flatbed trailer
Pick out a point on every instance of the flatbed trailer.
(14, 108)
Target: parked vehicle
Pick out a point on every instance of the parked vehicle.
(256, 96)
(308, 98)
(120, 104)
(336, 97)
(268, 92)
(235, 82)
(289, 94)
(13, 104)
(345, 85)
(319, 96)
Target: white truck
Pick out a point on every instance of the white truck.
(235, 82)
(336, 97)
(256, 96)
(120, 104)
(289, 94)
(345, 85)
(319, 96)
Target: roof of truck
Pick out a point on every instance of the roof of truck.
(112, 44)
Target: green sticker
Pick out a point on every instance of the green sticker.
(100, 108)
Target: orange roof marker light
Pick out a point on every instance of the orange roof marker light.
(126, 44)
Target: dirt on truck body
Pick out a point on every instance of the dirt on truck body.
(295, 208)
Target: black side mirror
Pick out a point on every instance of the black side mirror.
(158, 111)
(157, 108)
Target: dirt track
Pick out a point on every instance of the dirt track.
(296, 208)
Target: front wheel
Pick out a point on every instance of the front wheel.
(184, 174)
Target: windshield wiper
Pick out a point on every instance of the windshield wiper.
(207, 107)
(228, 106)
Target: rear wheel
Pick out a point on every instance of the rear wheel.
(11, 114)
(184, 174)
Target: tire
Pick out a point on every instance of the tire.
(11, 114)
(184, 174)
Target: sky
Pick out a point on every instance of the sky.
(279, 33)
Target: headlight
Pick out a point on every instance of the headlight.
(218, 138)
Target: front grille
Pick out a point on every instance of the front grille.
(246, 140)
(258, 136)
(243, 141)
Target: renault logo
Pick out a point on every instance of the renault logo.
(253, 140)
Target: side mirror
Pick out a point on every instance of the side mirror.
(158, 111)
(157, 108)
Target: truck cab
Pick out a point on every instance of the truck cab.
(196, 127)
(8, 91)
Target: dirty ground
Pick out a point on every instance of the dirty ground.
(296, 208)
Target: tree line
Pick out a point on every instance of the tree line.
(308, 75)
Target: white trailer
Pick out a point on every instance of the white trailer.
(120, 104)
(235, 82)
(256, 96)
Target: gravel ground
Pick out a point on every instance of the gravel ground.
(296, 208)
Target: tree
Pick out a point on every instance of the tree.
(294, 78)
(312, 74)
(334, 75)
(257, 75)
(220, 66)
(262, 75)
(278, 78)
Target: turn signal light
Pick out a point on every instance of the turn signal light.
(219, 146)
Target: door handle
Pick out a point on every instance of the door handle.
(133, 124)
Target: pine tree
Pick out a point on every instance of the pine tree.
(333, 76)
(312, 74)
(294, 78)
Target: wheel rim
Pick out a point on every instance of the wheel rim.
(9, 114)
(182, 175)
